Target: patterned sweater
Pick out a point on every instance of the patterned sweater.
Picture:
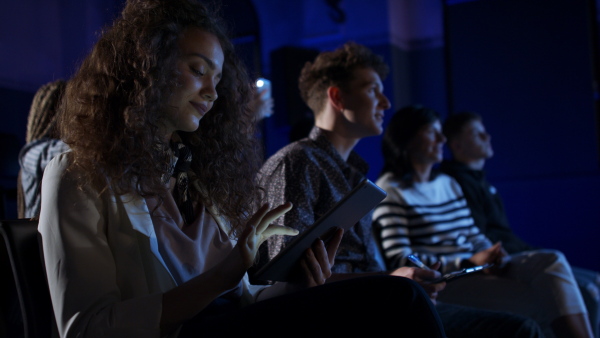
(428, 219)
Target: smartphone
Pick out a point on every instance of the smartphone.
(264, 85)
(449, 276)
(457, 274)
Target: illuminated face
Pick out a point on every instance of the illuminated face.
(364, 103)
(473, 142)
(427, 146)
(200, 67)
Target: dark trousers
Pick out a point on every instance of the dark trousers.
(468, 322)
(373, 306)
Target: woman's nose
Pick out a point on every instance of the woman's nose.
(209, 91)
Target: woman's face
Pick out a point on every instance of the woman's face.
(200, 67)
(426, 147)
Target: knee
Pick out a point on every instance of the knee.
(551, 254)
(589, 291)
(548, 257)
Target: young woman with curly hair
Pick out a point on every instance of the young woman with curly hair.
(150, 222)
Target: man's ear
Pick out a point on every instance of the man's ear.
(334, 94)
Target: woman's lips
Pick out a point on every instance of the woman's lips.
(200, 107)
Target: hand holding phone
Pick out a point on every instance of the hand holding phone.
(265, 106)
(449, 276)
(456, 274)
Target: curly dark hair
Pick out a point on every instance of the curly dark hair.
(116, 102)
(402, 128)
(336, 68)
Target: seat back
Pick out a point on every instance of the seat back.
(23, 245)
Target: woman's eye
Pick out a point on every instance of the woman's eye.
(197, 71)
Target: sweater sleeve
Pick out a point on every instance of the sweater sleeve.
(433, 231)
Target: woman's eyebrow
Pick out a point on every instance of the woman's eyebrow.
(210, 63)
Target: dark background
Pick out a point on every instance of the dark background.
(528, 66)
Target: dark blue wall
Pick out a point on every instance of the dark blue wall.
(532, 79)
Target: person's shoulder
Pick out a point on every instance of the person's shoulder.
(58, 175)
(298, 151)
(59, 163)
(449, 182)
(43, 147)
(57, 146)
(60, 169)
(387, 181)
(445, 179)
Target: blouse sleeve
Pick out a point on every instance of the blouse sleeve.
(80, 265)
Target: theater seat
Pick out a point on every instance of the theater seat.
(23, 245)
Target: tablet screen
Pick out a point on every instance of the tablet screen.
(344, 214)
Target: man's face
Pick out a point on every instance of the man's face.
(473, 143)
(364, 104)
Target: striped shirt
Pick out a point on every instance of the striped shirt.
(429, 219)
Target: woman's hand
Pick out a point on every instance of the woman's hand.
(424, 278)
(258, 229)
(493, 255)
(315, 265)
(314, 268)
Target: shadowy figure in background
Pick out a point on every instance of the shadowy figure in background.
(150, 223)
(345, 92)
(42, 144)
(470, 146)
(426, 214)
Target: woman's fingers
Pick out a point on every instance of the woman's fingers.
(333, 244)
(259, 215)
(312, 269)
(268, 217)
(278, 230)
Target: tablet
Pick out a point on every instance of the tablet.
(464, 272)
(344, 214)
